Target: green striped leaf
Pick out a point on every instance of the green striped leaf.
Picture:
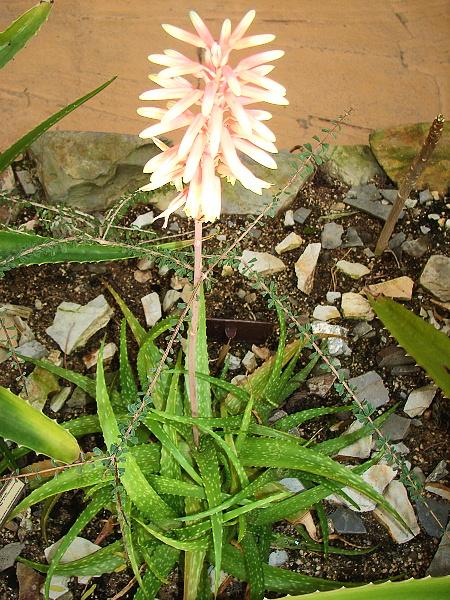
(160, 563)
(137, 329)
(253, 567)
(128, 388)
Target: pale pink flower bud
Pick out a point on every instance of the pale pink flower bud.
(212, 104)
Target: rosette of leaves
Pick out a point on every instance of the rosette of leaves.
(215, 504)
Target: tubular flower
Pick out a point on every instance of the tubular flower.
(214, 111)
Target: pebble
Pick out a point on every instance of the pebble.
(74, 324)
(263, 263)
(397, 496)
(32, 349)
(290, 242)
(26, 182)
(352, 239)
(222, 237)
(332, 235)
(249, 362)
(250, 297)
(163, 270)
(353, 270)
(227, 271)
(395, 428)
(60, 398)
(425, 196)
(365, 192)
(439, 472)
(320, 385)
(434, 217)
(278, 558)
(416, 247)
(305, 267)
(361, 329)
(186, 292)
(301, 214)
(143, 220)
(410, 203)
(326, 313)
(333, 296)
(440, 564)
(292, 484)
(152, 308)
(389, 195)
(359, 449)
(170, 299)
(178, 283)
(255, 233)
(289, 218)
(400, 287)
(419, 400)
(91, 359)
(38, 304)
(393, 356)
(433, 516)
(142, 276)
(378, 477)
(7, 181)
(144, 264)
(355, 306)
(369, 388)
(234, 362)
(346, 521)
(174, 226)
(79, 399)
(424, 229)
(335, 336)
(436, 277)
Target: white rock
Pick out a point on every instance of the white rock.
(91, 359)
(7, 181)
(163, 270)
(353, 270)
(326, 313)
(60, 398)
(278, 558)
(335, 337)
(359, 449)
(177, 283)
(152, 308)
(333, 296)
(26, 182)
(290, 242)
(74, 324)
(79, 548)
(143, 220)
(170, 299)
(305, 267)
(32, 349)
(378, 477)
(397, 497)
(233, 362)
(249, 362)
(142, 276)
(264, 263)
(355, 306)
(289, 218)
(436, 277)
(144, 264)
(400, 287)
(419, 400)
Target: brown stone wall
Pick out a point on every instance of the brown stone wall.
(388, 59)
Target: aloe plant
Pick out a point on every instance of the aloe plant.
(430, 588)
(429, 347)
(22, 30)
(23, 424)
(192, 505)
(18, 249)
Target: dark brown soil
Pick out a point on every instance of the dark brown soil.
(427, 440)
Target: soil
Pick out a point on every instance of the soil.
(427, 438)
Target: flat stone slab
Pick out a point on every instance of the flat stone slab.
(436, 277)
(396, 147)
(369, 387)
(262, 263)
(353, 164)
(346, 521)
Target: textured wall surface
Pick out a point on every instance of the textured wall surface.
(388, 59)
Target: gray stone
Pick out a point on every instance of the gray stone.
(395, 428)
(26, 182)
(79, 399)
(425, 196)
(332, 235)
(436, 277)
(292, 484)
(59, 399)
(278, 558)
(361, 329)
(301, 214)
(432, 515)
(397, 496)
(238, 200)
(74, 324)
(255, 233)
(419, 400)
(346, 521)
(393, 356)
(38, 386)
(249, 362)
(143, 220)
(439, 472)
(90, 170)
(397, 240)
(8, 555)
(440, 565)
(305, 267)
(320, 385)
(370, 388)
(352, 239)
(368, 192)
(289, 218)
(32, 349)
(263, 263)
(333, 296)
(389, 195)
(353, 270)
(335, 336)
(353, 164)
(152, 308)
(170, 299)
(371, 207)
